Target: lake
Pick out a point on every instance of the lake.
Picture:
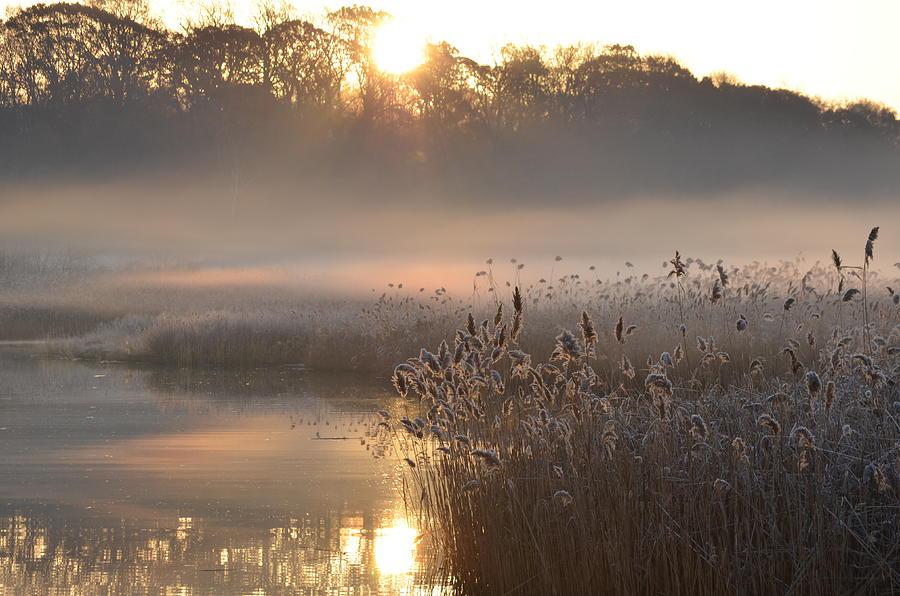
(124, 480)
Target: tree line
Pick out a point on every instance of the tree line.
(102, 86)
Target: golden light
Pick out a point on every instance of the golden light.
(398, 47)
(351, 540)
(395, 548)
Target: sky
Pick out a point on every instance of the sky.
(829, 48)
(833, 49)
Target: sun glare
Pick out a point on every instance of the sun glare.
(395, 548)
(398, 47)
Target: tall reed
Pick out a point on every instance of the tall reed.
(774, 472)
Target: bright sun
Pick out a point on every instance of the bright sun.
(398, 47)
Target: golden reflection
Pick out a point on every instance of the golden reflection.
(352, 545)
(395, 548)
(40, 544)
(341, 552)
(185, 524)
(215, 509)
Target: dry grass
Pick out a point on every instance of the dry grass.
(322, 335)
(258, 326)
(661, 459)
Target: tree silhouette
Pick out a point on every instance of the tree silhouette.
(91, 86)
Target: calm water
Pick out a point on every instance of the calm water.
(122, 481)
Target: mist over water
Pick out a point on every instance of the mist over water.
(269, 236)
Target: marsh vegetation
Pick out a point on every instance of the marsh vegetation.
(705, 427)
(715, 429)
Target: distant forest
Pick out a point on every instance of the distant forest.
(102, 89)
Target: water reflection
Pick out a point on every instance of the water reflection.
(146, 482)
(395, 548)
(335, 554)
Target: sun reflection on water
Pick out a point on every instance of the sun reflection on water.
(366, 554)
(233, 520)
(395, 548)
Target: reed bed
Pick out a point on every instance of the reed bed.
(325, 335)
(260, 327)
(713, 430)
